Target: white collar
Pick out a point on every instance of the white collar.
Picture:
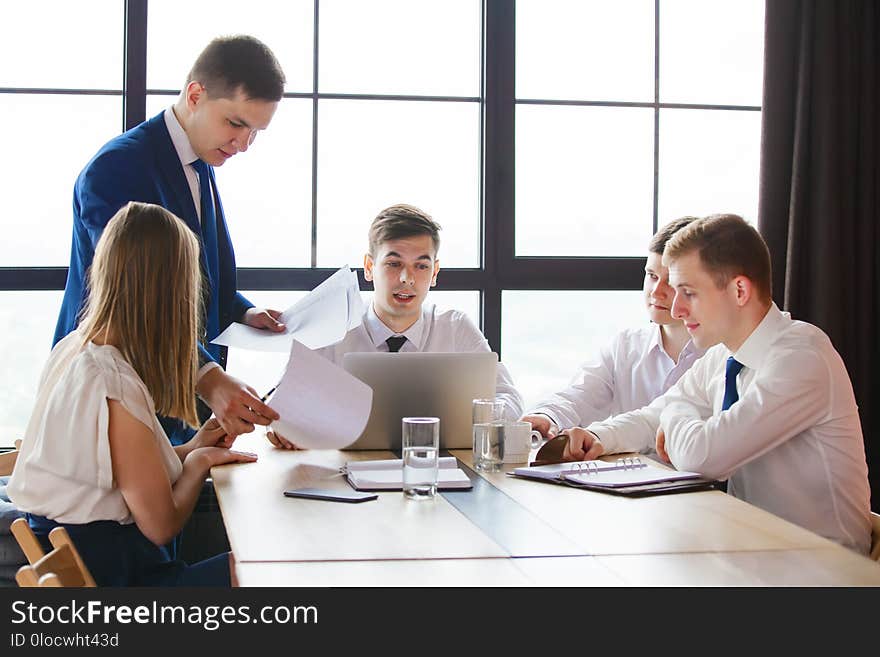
(178, 137)
(379, 331)
(754, 350)
(657, 343)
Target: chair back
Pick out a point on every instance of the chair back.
(875, 536)
(7, 460)
(62, 566)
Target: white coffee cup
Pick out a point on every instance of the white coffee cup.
(517, 441)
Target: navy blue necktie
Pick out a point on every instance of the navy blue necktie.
(209, 248)
(734, 367)
(395, 342)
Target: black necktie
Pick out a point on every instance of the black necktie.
(395, 342)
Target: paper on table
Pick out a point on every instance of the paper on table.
(321, 405)
(319, 319)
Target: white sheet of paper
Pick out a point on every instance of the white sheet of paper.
(321, 405)
(319, 319)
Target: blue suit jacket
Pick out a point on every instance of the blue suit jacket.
(141, 165)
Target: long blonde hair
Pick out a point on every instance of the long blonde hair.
(145, 294)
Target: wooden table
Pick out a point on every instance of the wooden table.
(507, 532)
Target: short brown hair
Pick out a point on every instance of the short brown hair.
(230, 63)
(145, 291)
(658, 242)
(728, 246)
(401, 221)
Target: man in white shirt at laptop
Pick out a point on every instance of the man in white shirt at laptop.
(402, 264)
(770, 406)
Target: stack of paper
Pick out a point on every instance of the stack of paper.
(319, 319)
(321, 405)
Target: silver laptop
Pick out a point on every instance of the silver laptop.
(414, 384)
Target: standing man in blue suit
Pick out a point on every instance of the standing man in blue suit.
(231, 94)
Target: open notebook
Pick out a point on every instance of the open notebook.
(625, 476)
(388, 475)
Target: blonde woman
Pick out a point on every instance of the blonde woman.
(94, 457)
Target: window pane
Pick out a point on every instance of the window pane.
(29, 320)
(372, 154)
(400, 47)
(543, 360)
(709, 163)
(584, 180)
(53, 44)
(585, 49)
(711, 52)
(43, 183)
(178, 31)
(263, 370)
(267, 191)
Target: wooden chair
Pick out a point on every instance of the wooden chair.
(875, 536)
(7, 460)
(62, 566)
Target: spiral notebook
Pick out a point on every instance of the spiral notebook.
(626, 476)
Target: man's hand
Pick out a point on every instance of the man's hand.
(280, 441)
(264, 318)
(542, 424)
(660, 445)
(236, 405)
(582, 445)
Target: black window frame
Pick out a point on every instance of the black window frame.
(500, 268)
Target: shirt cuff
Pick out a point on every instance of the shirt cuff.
(550, 417)
(207, 367)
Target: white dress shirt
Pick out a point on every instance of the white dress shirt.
(187, 156)
(792, 444)
(64, 471)
(629, 372)
(433, 331)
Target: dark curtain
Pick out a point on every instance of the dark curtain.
(820, 175)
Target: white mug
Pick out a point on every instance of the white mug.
(517, 441)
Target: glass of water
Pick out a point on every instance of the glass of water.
(488, 423)
(421, 447)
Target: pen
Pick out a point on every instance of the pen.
(266, 396)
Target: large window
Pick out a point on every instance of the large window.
(549, 138)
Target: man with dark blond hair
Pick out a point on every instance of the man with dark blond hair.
(402, 263)
(769, 407)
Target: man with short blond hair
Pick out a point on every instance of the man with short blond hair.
(770, 406)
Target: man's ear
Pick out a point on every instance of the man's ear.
(436, 271)
(743, 289)
(368, 267)
(195, 92)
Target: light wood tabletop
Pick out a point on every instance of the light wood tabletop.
(600, 523)
(506, 532)
(429, 572)
(813, 567)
